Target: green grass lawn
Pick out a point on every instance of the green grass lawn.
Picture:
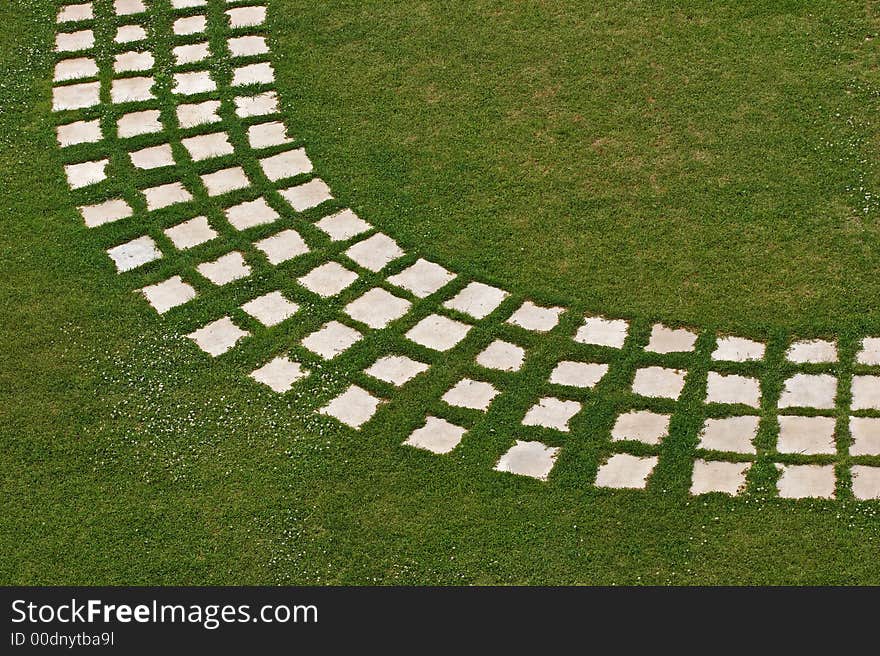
(701, 162)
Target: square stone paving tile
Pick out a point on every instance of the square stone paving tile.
(532, 459)
(246, 16)
(271, 309)
(251, 214)
(377, 308)
(551, 412)
(76, 96)
(731, 434)
(659, 382)
(718, 476)
(206, 146)
(472, 394)
(733, 389)
(282, 246)
(603, 332)
(869, 353)
(225, 269)
(189, 25)
(128, 7)
(135, 124)
(422, 278)
(75, 69)
(328, 279)
(806, 435)
(343, 225)
(625, 471)
(814, 351)
(396, 370)
(218, 336)
(809, 391)
(537, 318)
(130, 33)
(190, 115)
(154, 157)
(72, 13)
(191, 53)
(225, 180)
(354, 407)
(866, 482)
(186, 4)
(640, 426)
(375, 252)
(79, 132)
(331, 339)
(279, 374)
(191, 233)
(260, 104)
(738, 349)
(261, 73)
(248, 46)
(166, 195)
(74, 41)
(806, 481)
(865, 432)
(189, 84)
(438, 332)
(477, 300)
(502, 355)
(667, 340)
(131, 89)
(133, 60)
(866, 393)
(437, 435)
(578, 374)
(266, 135)
(288, 164)
(86, 173)
(106, 212)
(306, 196)
(168, 294)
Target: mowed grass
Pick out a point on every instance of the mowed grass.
(128, 459)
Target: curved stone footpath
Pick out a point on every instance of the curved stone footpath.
(176, 152)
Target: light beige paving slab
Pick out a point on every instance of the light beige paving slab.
(132, 89)
(168, 294)
(623, 470)
(206, 146)
(865, 433)
(190, 115)
(806, 481)
(79, 132)
(809, 391)
(106, 212)
(130, 34)
(308, 195)
(603, 332)
(813, 351)
(266, 135)
(85, 174)
(288, 164)
(502, 355)
(375, 252)
(191, 53)
(869, 352)
(396, 370)
(187, 25)
(738, 349)
(354, 407)
(166, 195)
(250, 214)
(733, 389)
(477, 300)
(128, 7)
(75, 69)
(248, 46)
(282, 246)
(225, 269)
(719, 476)
(154, 157)
(73, 13)
(551, 412)
(133, 60)
(730, 434)
(437, 435)
(135, 124)
(76, 96)
(74, 41)
(279, 374)
(271, 309)
(659, 382)
(377, 308)
(186, 4)
(640, 426)
(134, 253)
(191, 233)
(532, 459)
(806, 435)
(342, 225)
(246, 16)
(260, 73)
(472, 394)
(328, 279)
(225, 180)
(422, 278)
(866, 482)
(578, 374)
(331, 339)
(537, 318)
(438, 332)
(218, 337)
(866, 393)
(193, 82)
(260, 104)
(668, 340)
